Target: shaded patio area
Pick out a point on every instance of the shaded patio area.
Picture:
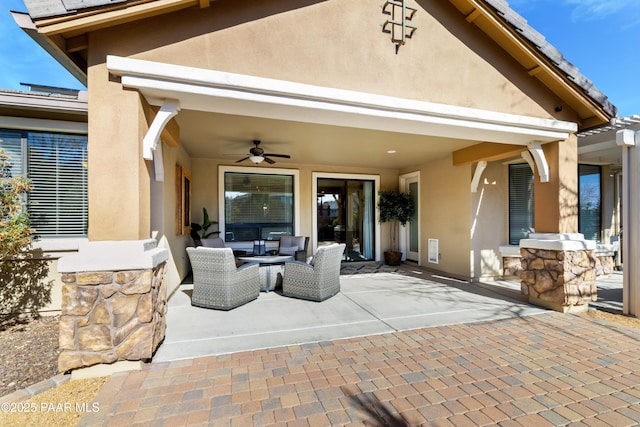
(374, 300)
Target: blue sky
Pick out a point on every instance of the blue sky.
(600, 37)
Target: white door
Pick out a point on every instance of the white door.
(410, 184)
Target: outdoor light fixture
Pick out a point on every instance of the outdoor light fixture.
(256, 159)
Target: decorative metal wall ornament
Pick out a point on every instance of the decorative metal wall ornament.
(398, 25)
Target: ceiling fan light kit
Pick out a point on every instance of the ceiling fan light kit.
(257, 155)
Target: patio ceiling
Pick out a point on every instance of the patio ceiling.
(219, 113)
(228, 138)
(598, 146)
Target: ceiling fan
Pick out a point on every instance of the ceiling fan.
(257, 155)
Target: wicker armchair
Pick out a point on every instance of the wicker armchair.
(218, 283)
(295, 246)
(315, 282)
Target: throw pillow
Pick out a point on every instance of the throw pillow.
(288, 250)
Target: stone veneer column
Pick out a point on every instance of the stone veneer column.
(559, 271)
(114, 301)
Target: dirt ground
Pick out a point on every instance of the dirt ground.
(629, 322)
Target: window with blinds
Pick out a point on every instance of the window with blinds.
(521, 202)
(56, 164)
(258, 206)
(590, 201)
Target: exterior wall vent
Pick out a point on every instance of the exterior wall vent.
(433, 251)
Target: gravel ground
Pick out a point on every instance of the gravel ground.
(28, 353)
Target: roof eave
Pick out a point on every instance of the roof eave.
(24, 21)
(541, 60)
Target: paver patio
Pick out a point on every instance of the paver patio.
(533, 370)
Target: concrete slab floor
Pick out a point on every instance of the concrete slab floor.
(369, 303)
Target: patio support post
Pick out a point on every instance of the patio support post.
(629, 140)
(558, 271)
(556, 204)
(114, 302)
(558, 264)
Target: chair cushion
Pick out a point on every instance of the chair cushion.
(286, 241)
(214, 242)
(288, 250)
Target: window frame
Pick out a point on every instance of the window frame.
(23, 134)
(600, 192)
(510, 201)
(257, 171)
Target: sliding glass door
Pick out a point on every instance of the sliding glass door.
(345, 214)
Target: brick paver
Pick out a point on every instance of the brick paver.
(548, 369)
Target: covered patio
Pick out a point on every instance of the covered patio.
(373, 300)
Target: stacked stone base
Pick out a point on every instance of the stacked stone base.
(563, 280)
(110, 316)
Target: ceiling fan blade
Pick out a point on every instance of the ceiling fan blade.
(242, 160)
(268, 160)
(284, 156)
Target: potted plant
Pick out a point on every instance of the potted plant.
(200, 232)
(395, 208)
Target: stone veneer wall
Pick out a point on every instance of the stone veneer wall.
(110, 316)
(559, 279)
(511, 266)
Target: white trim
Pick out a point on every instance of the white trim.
(158, 163)
(403, 180)
(258, 170)
(629, 140)
(511, 251)
(558, 242)
(59, 244)
(477, 174)
(527, 157)
(113, 256)
(43, 125)
(314, 208)
(168, 110)
(541, 161)
(284, 100)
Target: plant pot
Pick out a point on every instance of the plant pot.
(393, 258)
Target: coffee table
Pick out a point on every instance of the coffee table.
(269, 265)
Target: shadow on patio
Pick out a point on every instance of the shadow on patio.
(374, 299)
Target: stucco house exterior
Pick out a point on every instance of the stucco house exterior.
(44, 131)
(459, 102)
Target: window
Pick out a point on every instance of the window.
(183, 201)
(56, 164)
(258, 206)
(521, 202)
(589, 200)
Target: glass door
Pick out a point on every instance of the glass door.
(345, 214)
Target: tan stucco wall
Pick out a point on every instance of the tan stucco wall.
(205, 189)
(487, 218)
(119, 204)
(556, 205)
(445, 202)
(163, 216)
(336, 43)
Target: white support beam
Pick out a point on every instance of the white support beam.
(228, 93)
(527, 157)
(477, 175)
(541, 161)
(158, 163)
(168, 110)
(629, 140)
